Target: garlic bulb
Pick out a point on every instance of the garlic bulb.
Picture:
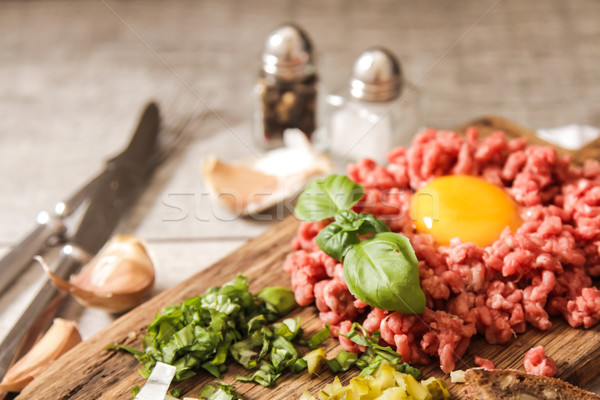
(60, 338)
(117, 279)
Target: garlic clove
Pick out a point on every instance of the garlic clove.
(117, 279)
(60, 338)
(252, 186)
(237, 186)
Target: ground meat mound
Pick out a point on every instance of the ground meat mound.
(543, 269)
(537, 363)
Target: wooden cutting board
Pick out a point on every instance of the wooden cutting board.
(90, 372)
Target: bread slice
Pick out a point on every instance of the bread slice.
(508, 384)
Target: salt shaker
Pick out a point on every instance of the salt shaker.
(380, 112)
(287, 91)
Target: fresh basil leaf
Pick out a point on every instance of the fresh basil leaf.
(337, 238)
(335, 241)
(371, 224)
(348, 219)
(322, 198)
(383, 272)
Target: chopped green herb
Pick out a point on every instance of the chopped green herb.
(221, 391)
(373, 355)
(288, 328)
(135, 390)
(318, 338)
(175, 392)
(280, 300)
(299, 365)
(343, 361)
(265, 375)
(202, 331)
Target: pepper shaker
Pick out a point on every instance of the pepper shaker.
(380, 112)
(287, 91)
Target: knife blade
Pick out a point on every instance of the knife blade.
(112, 194)
(119, 185)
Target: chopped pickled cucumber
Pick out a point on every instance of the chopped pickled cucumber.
(315, 359)
(415, 390)
(384, 378)
(307, 396)
(394, 393)
(386, 383)
(437, 388)
(360, 386)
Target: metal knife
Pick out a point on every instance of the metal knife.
(106, 197)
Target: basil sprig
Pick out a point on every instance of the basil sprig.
(382, 270)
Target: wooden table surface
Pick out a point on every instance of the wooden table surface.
(74, 76)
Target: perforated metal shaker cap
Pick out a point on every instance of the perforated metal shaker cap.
(288, 52)
(377, 76)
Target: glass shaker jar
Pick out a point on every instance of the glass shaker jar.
(380, 112)
(287, 90)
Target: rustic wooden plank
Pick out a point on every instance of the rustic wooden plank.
(88, 371)
(591, 150)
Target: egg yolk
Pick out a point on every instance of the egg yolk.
(466, 207)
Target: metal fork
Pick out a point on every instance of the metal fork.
(52, 231)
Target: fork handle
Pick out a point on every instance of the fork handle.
(15, 262)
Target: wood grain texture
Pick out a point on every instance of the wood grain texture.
(90, 372)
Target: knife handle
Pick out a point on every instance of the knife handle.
(70, 259)
(15, 262)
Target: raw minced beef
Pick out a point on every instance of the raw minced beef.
(536, 362)
(484, 363)
(544, 268)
